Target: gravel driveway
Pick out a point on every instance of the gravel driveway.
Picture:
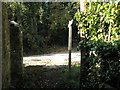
(52, 60)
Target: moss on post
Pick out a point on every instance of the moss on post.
(5, 49)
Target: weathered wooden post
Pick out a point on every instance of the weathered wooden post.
(5, 49)
(16, 55)
(83, 5)
(0, 46)
(70, 45)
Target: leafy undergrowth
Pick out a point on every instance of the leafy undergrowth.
(51, 49)
(47, 50)
(70, 79)
(39, 77)
(55, 49)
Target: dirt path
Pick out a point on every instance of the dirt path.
(44, 71)
(51, 60)
(39, 77)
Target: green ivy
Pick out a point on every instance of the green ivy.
(99, 22)
(100, 25)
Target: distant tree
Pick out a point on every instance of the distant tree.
(43, 24)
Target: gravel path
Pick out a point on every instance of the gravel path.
(51, 60)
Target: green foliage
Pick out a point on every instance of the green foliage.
(99, 22)
(33, 77)
(43, 24)
(73, 82)
(104, 58)
(100, 25)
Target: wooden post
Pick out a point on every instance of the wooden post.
(16, 55)
(70, 47)
(109, 32)
(82, 5)
(70, 42)
(1, 46)
(5, 49)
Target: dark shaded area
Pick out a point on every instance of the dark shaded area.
(101, 67)
(44, 24)
(16, 55)
(39, 77)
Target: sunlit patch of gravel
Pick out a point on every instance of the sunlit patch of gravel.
(52, 60)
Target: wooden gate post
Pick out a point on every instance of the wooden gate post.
(70, 43)
(5, 49)
(16, 55)
(83, 5)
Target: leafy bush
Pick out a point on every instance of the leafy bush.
(99, 22)
(103, 62)
(100, 26)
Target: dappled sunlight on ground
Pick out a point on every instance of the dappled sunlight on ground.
(51, 60)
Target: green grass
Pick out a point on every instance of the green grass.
(67, 81)
(35, 77)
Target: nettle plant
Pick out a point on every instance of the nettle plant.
(100, 21)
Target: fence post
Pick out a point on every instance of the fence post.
(83, 5)
(16, 55)
(70, 46)
(5, 49)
